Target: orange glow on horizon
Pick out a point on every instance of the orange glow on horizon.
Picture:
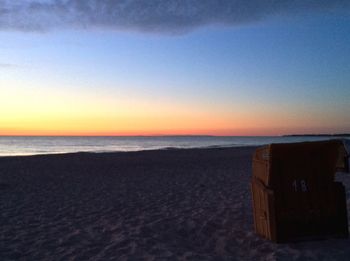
(41, 112)
(178, 132)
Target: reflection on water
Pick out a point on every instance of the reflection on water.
(49, 145)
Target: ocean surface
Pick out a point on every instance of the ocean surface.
(10, 146)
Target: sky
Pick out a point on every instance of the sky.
(190, 67)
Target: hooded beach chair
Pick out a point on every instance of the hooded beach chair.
(294, 193)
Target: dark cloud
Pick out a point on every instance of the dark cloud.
(150, 15)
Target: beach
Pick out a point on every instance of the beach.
(175, 204)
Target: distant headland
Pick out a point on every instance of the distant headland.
(319, 135)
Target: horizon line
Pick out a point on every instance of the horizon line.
(183, 135)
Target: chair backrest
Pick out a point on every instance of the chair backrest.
(277, 165)
(301, 173)
(301, 166)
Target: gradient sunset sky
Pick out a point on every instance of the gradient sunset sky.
(134, 67)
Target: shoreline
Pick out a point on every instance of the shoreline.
(26, 146)
(133, 151)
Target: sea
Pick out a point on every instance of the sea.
(23, 145)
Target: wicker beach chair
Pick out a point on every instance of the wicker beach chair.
(294, 193)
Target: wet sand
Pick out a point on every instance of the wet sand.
(153, 205)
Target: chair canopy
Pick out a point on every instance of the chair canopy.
(313, 163)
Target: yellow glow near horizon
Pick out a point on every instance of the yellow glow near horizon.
(51, 111)
(37, 111)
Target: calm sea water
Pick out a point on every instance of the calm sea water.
(48, 145)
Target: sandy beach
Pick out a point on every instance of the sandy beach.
(192, 204)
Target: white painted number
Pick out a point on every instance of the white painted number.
(300, 185)
(303, 186)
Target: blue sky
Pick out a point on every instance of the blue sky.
(284, 74)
